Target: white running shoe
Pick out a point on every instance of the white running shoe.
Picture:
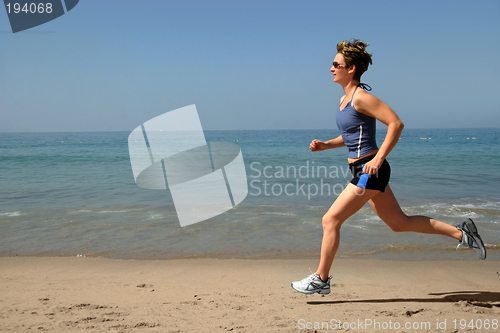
(471, 238)
(312, 284)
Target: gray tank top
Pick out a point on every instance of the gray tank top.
(358, 130)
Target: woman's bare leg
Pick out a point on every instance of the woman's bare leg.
(349, 202)
(387, 208)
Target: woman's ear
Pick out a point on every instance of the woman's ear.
(351, 69)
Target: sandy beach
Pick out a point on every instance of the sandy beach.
(69, 294)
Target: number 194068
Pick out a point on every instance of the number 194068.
(29, 8)
(478, 324)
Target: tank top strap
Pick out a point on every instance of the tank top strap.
(341, 100)
(353, 94)
(363, 86)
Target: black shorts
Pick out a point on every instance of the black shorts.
(377, 181)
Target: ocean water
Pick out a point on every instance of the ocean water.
(69, 194)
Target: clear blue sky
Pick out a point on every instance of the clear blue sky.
(250, 64)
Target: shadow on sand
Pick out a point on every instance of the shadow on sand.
(486, 299)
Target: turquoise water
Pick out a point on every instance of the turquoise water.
(74, 194)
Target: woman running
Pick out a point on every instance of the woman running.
(356, 117)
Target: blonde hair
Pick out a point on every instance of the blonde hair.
(354, 52)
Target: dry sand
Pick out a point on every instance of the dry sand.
(72, 294)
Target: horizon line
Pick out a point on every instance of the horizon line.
(271, 129)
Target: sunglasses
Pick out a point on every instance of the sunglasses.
(337, 65)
